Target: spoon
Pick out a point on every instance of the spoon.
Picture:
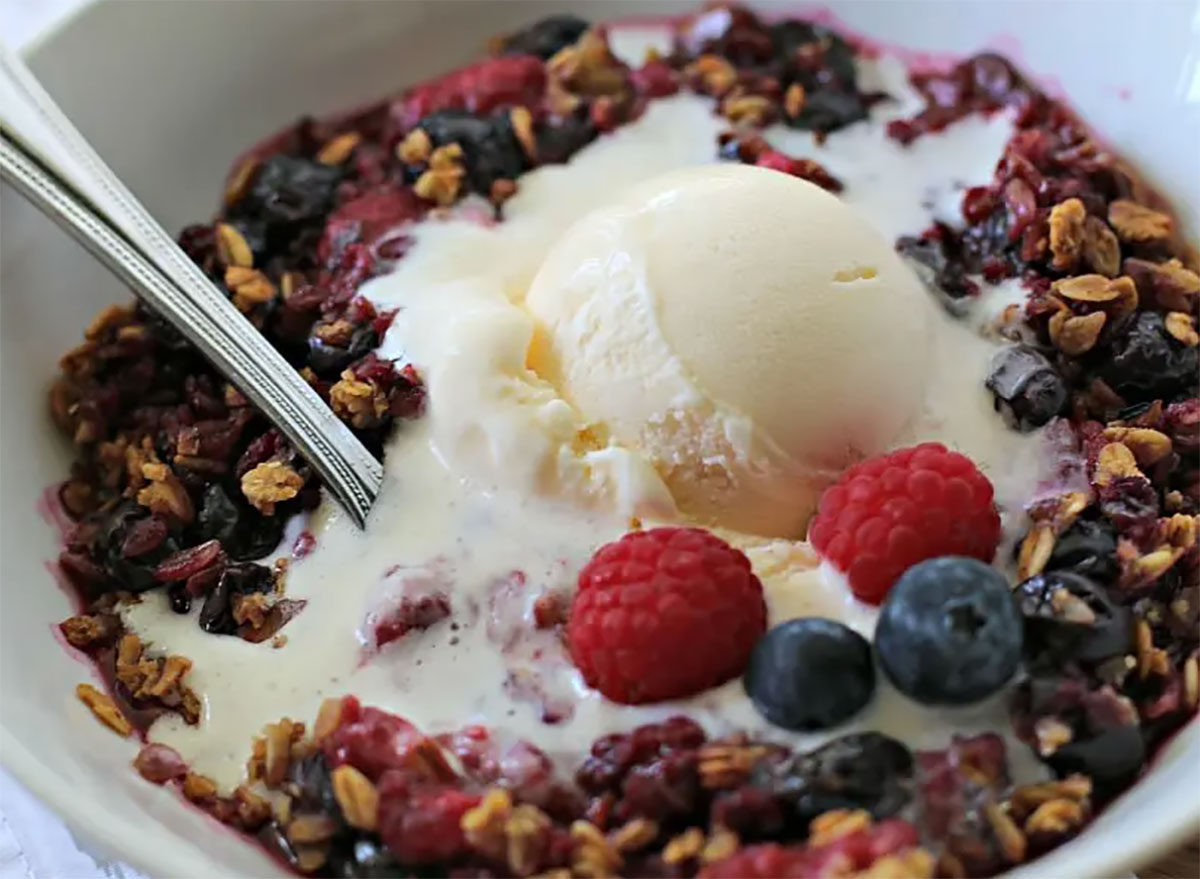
(45, 158)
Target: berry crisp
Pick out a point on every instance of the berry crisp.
(519, 671)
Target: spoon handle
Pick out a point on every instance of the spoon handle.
(45, 158)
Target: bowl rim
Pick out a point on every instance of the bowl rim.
(123, 840)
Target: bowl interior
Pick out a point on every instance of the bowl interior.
(171, 92)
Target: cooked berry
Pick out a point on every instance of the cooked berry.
(935, 259)
(868, 771)
(490, 148)
(1069, 617)
(810, 674)
(290, 190)
(888, 513)
(1028, 389)
(644, 601)
(949, 632)
(559, 139)
(1076, 726)
(420, 823)
(1146, 362)
(545, 36)
(1089, 548)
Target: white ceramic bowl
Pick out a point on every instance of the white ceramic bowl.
(170, 92)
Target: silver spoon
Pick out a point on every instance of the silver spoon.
(45, 158)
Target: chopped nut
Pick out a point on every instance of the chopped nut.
(269, 483)
(588, 67)
(277, 740)
(106, 711)
(1182, 328)
(169, 678)
(793, 100)
(165, 494)
(634, 835)
(232, 249)
(1149, 658)
(1051, 734)
(339, 148)
(712, 74)
(1148, 446)
(1101, 249)
(525, 834)
(1076, 334)
(521, 121)
(308, 829)
(239, 181)
(836, 823)
(1008, 835)
(1026, 799)
(1055, 817)
(753, 110)
(1035, 550)
(251, 610)
(1137, 223)
(594, 856)
(1191, 681)
(360, 402)
(1180, 531)
(416, 148)
(197, 788)
(483, 826)
(1087, 288)
(684, 847)
(913, 863)
(329, 718)
(311, 858)
(442, 182)
(1114, 461)
(86, 631)
(1152, 565)
(1067, 233)
(357, 797)
(727, 765)
(250, 287)
(721, 843)
(110, 317)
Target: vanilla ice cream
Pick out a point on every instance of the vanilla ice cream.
(747, 330)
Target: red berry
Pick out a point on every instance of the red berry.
(375, 741)
(422, 824)
(644, 603)
(765, 861)
(888, 513)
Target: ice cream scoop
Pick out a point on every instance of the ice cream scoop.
(746, 330)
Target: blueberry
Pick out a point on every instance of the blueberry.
(1028, 389)
(860, 771)
(291, 190)
(546, 36)
(490, 148)
(809, 674)
(1145, 362)
(1089, 548)
(949, 632)
(1068, 616)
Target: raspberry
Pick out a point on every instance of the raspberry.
(422, 824)
(886, 514)
(645, 603)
